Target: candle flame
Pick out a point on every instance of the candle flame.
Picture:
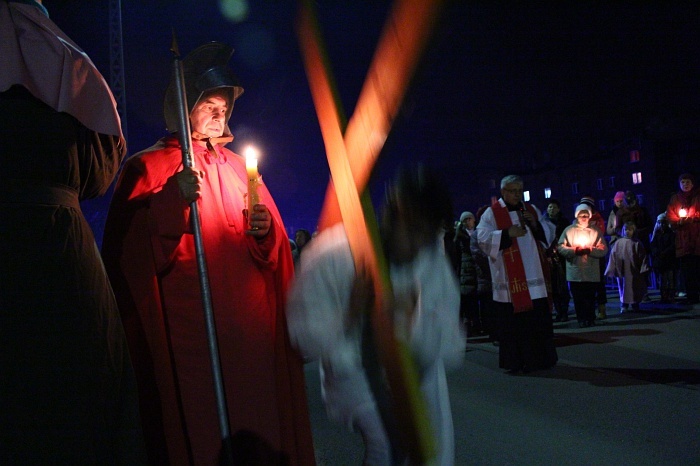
(251, 157)
(682, 213)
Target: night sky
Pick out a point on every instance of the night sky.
(502, 85)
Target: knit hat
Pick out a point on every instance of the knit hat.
(582, 207)
(619, 196)
(588, 200)
(466, 214)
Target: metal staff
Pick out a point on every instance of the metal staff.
(185, 135)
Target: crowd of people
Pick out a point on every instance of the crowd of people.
(586, 254)
(106, 355)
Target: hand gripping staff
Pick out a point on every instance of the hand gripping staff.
(351, 153)
(185, 137)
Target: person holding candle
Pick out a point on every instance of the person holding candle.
(149, 252)
(510, 233)
(683, 214)
(583, 246)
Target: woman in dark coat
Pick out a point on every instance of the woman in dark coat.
(67, 388)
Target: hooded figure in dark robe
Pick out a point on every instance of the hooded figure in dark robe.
(67, 388)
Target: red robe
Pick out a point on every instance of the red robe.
(149, 253)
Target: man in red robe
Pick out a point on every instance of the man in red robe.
(149, 252)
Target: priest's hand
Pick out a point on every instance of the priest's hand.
(259, 221)
(530, 219)
(516, 231)
(190, 183)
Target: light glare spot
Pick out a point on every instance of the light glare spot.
(234, 10)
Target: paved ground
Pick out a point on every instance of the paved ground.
(626, 392)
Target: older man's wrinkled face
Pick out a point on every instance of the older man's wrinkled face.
(512, 193)
(209, 116)
(686, 185)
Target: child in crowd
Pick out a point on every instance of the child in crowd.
(327, 316)
(628, 263)
(583, 247)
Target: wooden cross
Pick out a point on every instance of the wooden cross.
(352, 152)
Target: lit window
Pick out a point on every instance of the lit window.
(574, 188)
(634, 156)
(547, 193)
(599, 184)
(640, 199)
(612, 182)
(637, 178)
(601, 205)
(526, 196)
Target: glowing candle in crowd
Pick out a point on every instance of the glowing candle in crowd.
(682, 213)
(251, 166)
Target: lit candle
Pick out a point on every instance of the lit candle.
(580, 243)
(251, 166)
(682, 213)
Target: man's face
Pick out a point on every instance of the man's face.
(686, 185)
(512, 193)
(630, 200)
(209, 116)
(552, 210)
(470, 222)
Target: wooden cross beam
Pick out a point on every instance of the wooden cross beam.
(352, 153)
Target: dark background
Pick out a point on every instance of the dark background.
(503, 86)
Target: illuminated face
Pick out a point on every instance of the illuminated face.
(512, 193)
(686, 185)
(583, 217)
(619, 202)
(209, 116)
(629, 231)
(553, 210)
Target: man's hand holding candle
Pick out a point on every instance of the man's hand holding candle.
(259, 221)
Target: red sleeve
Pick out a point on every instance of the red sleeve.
(168, 220)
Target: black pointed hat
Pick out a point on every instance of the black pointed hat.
(205, 69)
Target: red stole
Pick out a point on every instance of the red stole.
(515, 269)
